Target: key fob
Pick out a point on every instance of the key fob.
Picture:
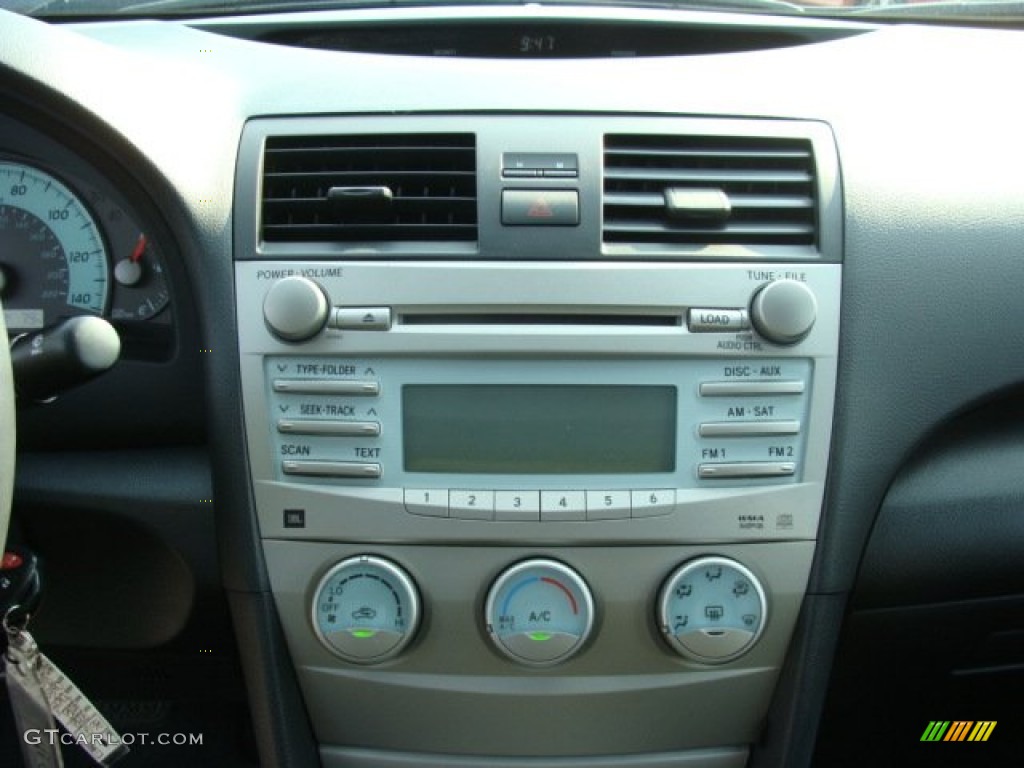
(19, 579)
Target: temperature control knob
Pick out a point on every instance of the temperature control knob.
(366, 609)
(295, 308)
(712, 610)
(784, 311)
(539, 612)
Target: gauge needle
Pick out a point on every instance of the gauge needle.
(140, 248)
(129, 271)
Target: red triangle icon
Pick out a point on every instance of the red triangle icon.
(540, 209)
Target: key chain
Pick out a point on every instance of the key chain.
(41, 693)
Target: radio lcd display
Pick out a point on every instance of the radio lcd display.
(527, 429)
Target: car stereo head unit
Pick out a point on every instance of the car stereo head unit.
(443, 397)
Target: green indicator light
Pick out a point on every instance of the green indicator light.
(539, 636)
(363, 634)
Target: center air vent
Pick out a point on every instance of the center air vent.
(370, 188)
(678, 192)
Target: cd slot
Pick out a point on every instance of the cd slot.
(543, 318)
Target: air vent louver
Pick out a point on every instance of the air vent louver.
(415, 188)
(684, 191)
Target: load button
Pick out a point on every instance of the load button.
(701, 320)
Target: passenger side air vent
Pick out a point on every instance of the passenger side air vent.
(677, 192)
(370, 188)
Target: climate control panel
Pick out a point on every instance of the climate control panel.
(539, 612)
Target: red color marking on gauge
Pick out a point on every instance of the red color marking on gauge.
(140, 248)
(562, 587)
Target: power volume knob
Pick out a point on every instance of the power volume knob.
(784, 311)
(296, 308)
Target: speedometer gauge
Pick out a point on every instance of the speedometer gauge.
(53, 262)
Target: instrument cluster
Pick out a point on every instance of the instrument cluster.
(71, 245)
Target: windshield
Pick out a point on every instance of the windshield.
(986, 12)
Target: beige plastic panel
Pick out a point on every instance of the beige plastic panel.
(451, 692)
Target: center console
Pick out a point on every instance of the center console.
(538, 413)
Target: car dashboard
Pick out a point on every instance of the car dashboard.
(526, 386)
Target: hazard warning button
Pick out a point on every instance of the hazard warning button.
(540, 207)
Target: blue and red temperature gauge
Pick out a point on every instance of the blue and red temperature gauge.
(539, 612)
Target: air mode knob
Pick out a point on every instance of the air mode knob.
(296, 308)
(784, 311)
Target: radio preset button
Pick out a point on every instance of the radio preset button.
(471, 505)
(752, 469)
(700, 320)
(428, 502)
(533, 506)
(653, 503)
(517, 506)
(347, 469)
(563, 506)
(332, 428)
(324, 387)
(750, 388)
(749, 428)
(608, 505)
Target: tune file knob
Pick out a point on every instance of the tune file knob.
(784, 311)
